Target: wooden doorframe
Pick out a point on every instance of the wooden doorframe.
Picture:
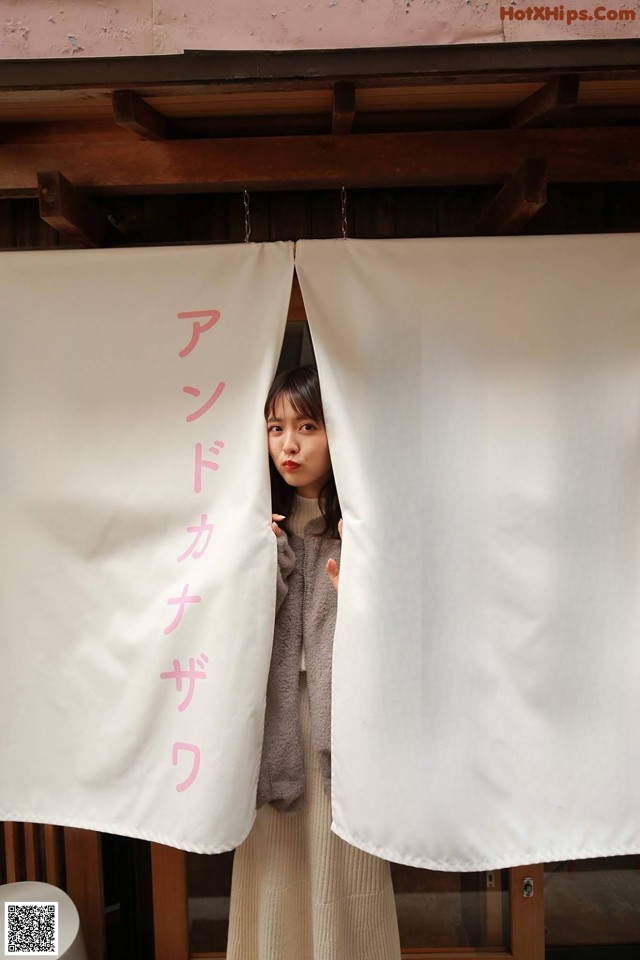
(66, 857)
(527, 913)
(170, 902)
(171, 915)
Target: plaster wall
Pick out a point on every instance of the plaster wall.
(97, 28)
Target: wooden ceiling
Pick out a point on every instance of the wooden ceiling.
(514, 115)
(54, 106)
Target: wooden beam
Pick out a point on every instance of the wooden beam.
(453, 158)
(372, 66)
(527, 913)
(131, 111)
(69, 212)
(344, 107)
(552, 100)
(517, 202)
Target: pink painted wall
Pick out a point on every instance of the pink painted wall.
(97, 28)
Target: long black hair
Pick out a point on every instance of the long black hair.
(301, 387)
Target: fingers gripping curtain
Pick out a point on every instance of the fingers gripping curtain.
(138, 584)
(482, 401)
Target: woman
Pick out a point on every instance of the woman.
(298, 891)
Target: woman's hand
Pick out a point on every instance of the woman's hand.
(332, 566)
(274, 526)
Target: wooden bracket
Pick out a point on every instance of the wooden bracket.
(134, 113)
(551, 100)
(524, 193)
(344, 106)
(68, 211)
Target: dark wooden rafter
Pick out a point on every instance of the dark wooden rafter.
(65, 209)
(548, 103)
(324, 162)
(518, 201)
(131, 111)
(343, 110)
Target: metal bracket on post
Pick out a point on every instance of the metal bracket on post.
(527, 886)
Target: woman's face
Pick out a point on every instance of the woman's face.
(302, 442)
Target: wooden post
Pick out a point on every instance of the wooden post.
(83, 858)
(52, 854)
(297, 310)
(527, 912)
(12, 851)
(32, 851)
(170, 909)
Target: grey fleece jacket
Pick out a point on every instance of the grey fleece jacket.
(306, 605)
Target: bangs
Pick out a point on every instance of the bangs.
(301, 387)
(304, 404)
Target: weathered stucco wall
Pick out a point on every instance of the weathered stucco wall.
(97, 28)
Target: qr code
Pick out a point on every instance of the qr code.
(31, 929)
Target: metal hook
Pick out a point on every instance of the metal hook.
(247, 218)
(343, 203)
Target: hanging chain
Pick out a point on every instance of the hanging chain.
(343, 203)
(247, 218)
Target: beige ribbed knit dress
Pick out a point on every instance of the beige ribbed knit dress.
(298, 891)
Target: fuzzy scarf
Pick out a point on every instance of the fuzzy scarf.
(306, 605)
